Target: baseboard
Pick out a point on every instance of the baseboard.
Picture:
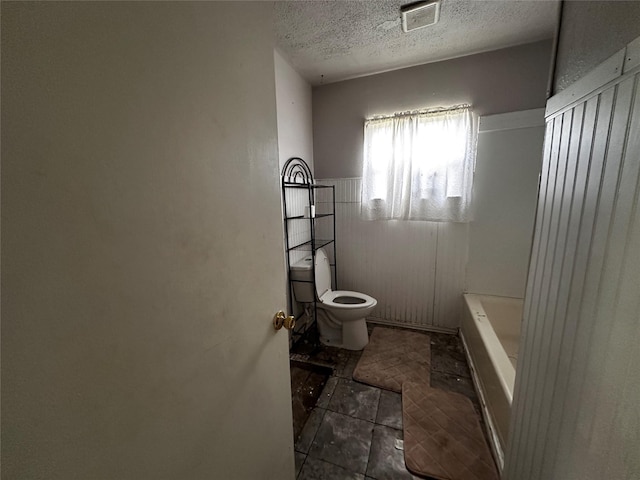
(424, 328)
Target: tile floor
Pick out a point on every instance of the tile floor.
(354, 429)
(307, 382)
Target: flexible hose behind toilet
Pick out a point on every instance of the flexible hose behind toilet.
(307, 313)
(329, 319)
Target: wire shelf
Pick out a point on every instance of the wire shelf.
(296, 174)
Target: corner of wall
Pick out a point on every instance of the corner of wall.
(294, 112)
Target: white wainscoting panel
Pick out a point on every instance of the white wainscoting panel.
(414, 269)
(451, 262)
(299, 231)
(577, 396)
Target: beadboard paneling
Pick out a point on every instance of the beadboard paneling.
(298, 230)
(451, 263)
(576, 411)
(414, 269)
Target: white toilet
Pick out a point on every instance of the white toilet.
(341, 314)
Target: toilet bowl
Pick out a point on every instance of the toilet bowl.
(341, 314)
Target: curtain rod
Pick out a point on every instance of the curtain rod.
(428, 111)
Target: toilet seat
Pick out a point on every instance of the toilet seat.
(362, 300)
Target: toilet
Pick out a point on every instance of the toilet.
(341, 314)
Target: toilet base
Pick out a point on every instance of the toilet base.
(351, 335)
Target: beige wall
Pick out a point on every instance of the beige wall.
(591, 32)
(495, 82)
(138, 139)
(293, 98)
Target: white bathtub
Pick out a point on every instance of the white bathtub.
(490, 333)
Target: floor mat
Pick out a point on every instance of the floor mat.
(394, 356)
(442, 435)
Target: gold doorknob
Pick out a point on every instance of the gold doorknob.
(281, 320)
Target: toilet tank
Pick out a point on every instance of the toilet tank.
(303, 270)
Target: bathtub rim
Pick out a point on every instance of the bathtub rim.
(497, 353)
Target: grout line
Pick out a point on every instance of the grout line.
(306, 455)
(358, 418)
(317, 430)
(316, 434)
(378, 409)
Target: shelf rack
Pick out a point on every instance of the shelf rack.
(296, 174)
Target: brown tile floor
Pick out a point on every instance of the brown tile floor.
(353, 430)
(307, 382)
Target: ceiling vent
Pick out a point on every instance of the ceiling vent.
(418, 15)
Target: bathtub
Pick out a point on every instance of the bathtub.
(490, 333)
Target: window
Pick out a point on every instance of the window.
(419, 165)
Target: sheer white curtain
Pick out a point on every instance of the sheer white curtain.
(419, 165)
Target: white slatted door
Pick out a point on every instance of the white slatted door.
(576, 405)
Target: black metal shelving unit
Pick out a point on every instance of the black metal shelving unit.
(296, 174)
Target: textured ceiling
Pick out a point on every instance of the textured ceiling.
(328, 41)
